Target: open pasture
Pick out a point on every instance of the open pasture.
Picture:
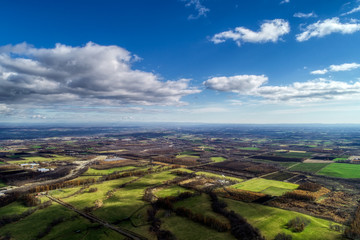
(271, 187)
(341, 170)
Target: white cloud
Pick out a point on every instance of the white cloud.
(92, 74)
(344, 67)
(311, 91)
(284, 1)
(239, 84)
(337, 68)
(270, 31)
(354, 10)
(297, 92)
(235, 102)
(201, 9)
(305, 15)
(319, 72)
(205, 110)
(327, 27)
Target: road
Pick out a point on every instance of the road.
(93, 218)
(72, 174)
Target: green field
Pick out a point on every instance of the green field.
(340, 159)
(13, 208)
(213, 175)
(271, 221)
(43, 159)
(186, 156)
(2, 184)
(92, 171)
(185, 229)
(249, 148)
(125, 201)
(308, 167)
(217, 159)
(271, 187)
(341, 170)
(170, 191)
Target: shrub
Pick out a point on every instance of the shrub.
(91, 190)
(298, 224)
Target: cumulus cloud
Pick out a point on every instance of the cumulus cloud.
(270, 31)
(344, 67)
(305, 15)
(310, 91)
(327, 27)
(201, 9)
(92, 74)
(239, 84)
(354, 10)
(297, 92)
(338, 68)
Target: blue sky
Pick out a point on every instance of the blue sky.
(230, 61)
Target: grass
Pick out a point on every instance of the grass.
(13, 208)
(200, 204)
(308, 167)
(28, 227)
(341, 170)
(2, 185)
(62, 193)
(87, 199)
(1, 162)
(43, 159)
(286, 164)
(186, 156)
(217, 159)
(340, 159)
(127, 200)
(271, 221)
(184, 229)
(249, 148)
(214, 175)
(92, 171)
(80, 228)
(271, 187)
(170, 191)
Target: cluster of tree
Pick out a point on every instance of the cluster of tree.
(301, 196)
(202, 219)
(309, 186)
(241, 195)
(183, 173)
(188, 161)
(298, 224)
(155, 225)
(16, 217)
(278, 159)
(353, 232)
(246, 167)
(91, 190)
(240, 228)
(29, 200)
(336, 227)
(72, 183)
